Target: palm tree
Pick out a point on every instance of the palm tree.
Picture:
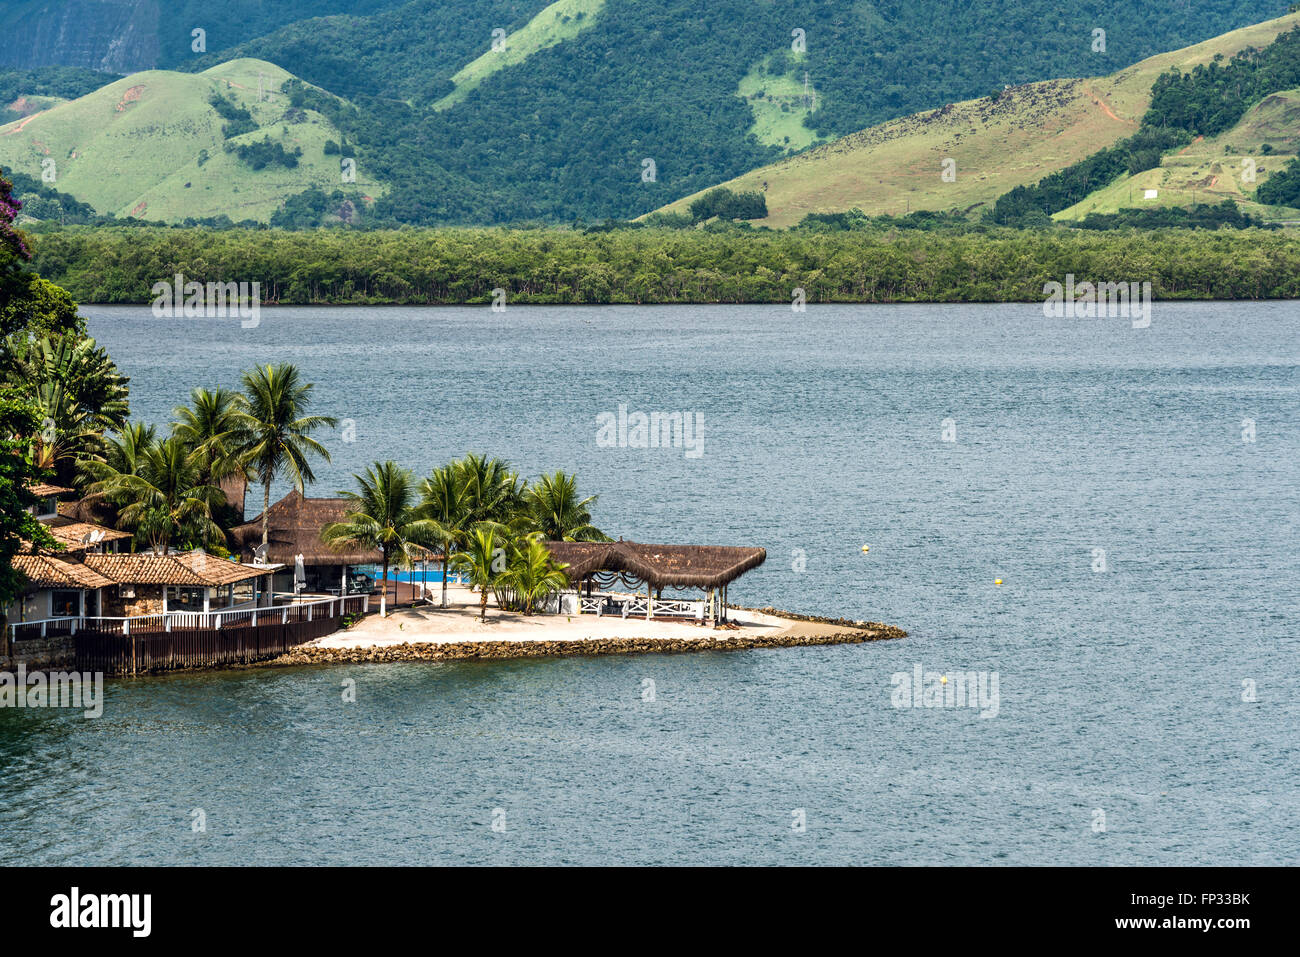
(208, 425)
(163, 497)
(555, 510)
(532, 574)
(383, 515)
(125, 452)
(443, 500)
(493, 493)
(271, 435)
(79, 391)
(482, 560)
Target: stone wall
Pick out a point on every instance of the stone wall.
(39, 653)
(147, 601)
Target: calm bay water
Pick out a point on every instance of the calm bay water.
(1120, 691)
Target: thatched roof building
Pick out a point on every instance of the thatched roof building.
(235, 489)
(294, 528)
(659, 566)
(45, 489)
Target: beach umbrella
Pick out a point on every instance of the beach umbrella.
(299, 575)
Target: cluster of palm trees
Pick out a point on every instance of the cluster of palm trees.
(165, 488)
(479, 516)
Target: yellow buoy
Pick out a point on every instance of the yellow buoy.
(943, 680)
(997, 581)
(866, 548)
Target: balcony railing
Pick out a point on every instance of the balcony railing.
(224, 619)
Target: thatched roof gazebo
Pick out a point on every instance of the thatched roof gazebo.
(294, 525)
(293, 528)
(710, 568)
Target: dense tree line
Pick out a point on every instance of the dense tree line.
(725, 204)
(724, 264)
(1201, 216)
(44, 202)
(1212, 97)
(263, 153)
(238, 119)
(1283, 187)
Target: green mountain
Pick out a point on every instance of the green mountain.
(560, 124)
(167, 146)
(507, 111)
(1027, 133)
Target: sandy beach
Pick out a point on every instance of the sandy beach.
(429, 624)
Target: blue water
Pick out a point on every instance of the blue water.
(1121, 691)
(400, 575)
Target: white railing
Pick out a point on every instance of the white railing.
(192, 620)
(629, 606)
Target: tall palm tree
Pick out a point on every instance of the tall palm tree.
(443, 500)
(555, 510)
(208, 425)
(493, 493)
(164, 498)
(384, 514)
(483, 560)
(532, 574)
(272, 433)
(123, 454)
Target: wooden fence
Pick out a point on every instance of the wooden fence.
(272, 633)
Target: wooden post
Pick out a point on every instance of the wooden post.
(649, 601)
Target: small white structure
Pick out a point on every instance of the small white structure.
(1150, 193)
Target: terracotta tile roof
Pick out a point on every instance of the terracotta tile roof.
(71, 535)
(44, 571)
(177, 568)
(42, 490)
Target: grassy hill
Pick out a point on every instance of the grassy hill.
(1029, 131)
(558, 22)
(1214, 169)
(151, 145)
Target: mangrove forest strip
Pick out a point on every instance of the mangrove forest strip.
(651, 265)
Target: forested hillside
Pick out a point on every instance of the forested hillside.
(566, 134)
(590, 109)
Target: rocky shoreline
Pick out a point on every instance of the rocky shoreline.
(856, 633)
